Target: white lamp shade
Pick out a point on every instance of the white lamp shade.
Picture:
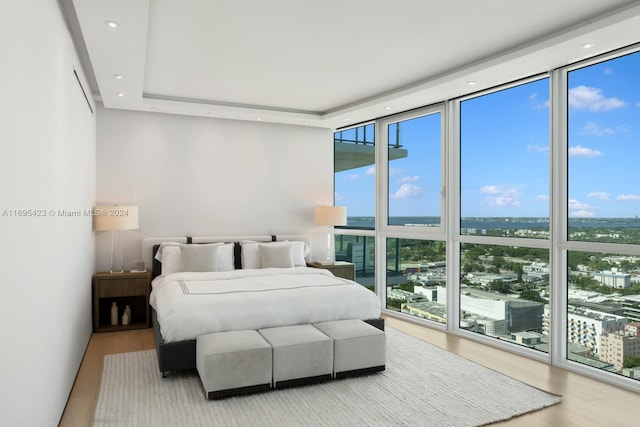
(331, 215)
(107, 218)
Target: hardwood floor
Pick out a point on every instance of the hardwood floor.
(84, 394)
(585, 402)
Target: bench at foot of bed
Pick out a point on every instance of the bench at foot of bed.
(231, 363)
(302, 355)
(240, 362)
(358, 348)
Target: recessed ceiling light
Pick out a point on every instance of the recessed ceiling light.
(118, 76)
(587, 46)
(258, 118)
(471, 83)
(346, 119)
(387, 108)
(120, 94)
(112, 24)
(210, 114)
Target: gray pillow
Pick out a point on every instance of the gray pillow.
(199, 257)
(276, 256)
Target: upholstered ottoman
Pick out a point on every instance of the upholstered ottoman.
(301, 355)
(235, 362)
(358, 348)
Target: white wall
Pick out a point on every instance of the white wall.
(47, 162)
(206, 176)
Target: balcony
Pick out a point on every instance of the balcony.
(356, 148)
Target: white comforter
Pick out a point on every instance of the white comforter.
(192, 304)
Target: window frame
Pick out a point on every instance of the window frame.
(558, 244)
(453, 306)
(382, 175)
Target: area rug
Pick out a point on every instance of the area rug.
(423, 385)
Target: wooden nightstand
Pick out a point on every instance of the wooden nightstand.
(346, 270)
(124, 289)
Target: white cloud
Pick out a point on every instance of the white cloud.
(628, 198)
(337, 196)
(542, 198)
(592, 128)
(574, 204)
(538, 148)
(394, 171)
(407, 190)
(608, 71)
(578, 209)
(537, 104)
(600, 195)
(490, 189)
(405, 179)
(354, 177)
(580, 151)
(581, 214)
(502, 195)
(371, 171)
(592, 99)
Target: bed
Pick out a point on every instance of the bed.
(211, 284)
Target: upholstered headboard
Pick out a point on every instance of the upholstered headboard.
(150, 245)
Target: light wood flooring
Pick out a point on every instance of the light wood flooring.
(585, 402)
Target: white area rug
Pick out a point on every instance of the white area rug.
(422, 386)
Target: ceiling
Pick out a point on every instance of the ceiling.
(328, 63)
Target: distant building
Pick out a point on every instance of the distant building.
(428, 277)
(501, 314)
(426, 310)
(403, 295)
(585, 326)
(617, 346)
(613, 279)
(432, 293)
(529, 339)
(540, 270)
(486, 278)
(631, 307)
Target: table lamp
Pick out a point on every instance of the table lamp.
(114, 219)
(330, 216)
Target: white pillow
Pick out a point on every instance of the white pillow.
(170, 257)
(200, 257)
(224, 257)
(300, 250)
(276, 256)
(250, 254)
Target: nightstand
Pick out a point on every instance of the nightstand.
(346, 270)
(124, 289)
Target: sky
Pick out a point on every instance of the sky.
(505, 157)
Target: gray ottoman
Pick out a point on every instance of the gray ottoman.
(236, 362)
(358, 348)
(301, 355)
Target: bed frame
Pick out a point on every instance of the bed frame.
(181, 355)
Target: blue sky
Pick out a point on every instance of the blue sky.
(505, 152)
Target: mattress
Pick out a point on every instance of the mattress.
(189, 304)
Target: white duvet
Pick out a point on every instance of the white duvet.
(190, 304)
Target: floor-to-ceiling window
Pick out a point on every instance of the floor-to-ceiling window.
(603, 208)
(504, 199)
(413, 231)
(511, 215)
(355, 188)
